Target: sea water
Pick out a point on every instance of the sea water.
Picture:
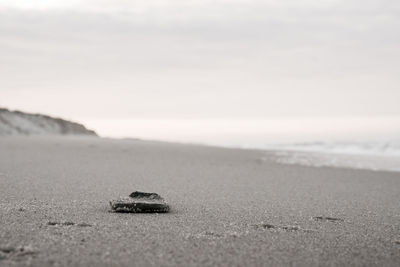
(358, 155)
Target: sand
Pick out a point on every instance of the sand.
(230, 207)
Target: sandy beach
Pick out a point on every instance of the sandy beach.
(229, 207)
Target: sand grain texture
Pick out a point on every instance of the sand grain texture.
(228, 208)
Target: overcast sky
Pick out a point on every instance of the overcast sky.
(200, 58)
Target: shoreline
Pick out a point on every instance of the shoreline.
(318, 159)
(311, 158)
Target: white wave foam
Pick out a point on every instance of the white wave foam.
(387, 148)
(359, 155)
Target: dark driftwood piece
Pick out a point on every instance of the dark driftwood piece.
(329, 219)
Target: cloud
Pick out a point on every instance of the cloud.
(237, 57)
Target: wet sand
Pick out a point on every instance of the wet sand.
(230, 207)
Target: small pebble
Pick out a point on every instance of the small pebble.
(140, 202)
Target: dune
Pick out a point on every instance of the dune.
(21, 123)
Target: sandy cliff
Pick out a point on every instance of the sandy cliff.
(21, 123)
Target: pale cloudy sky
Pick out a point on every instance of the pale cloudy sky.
(200, 58)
